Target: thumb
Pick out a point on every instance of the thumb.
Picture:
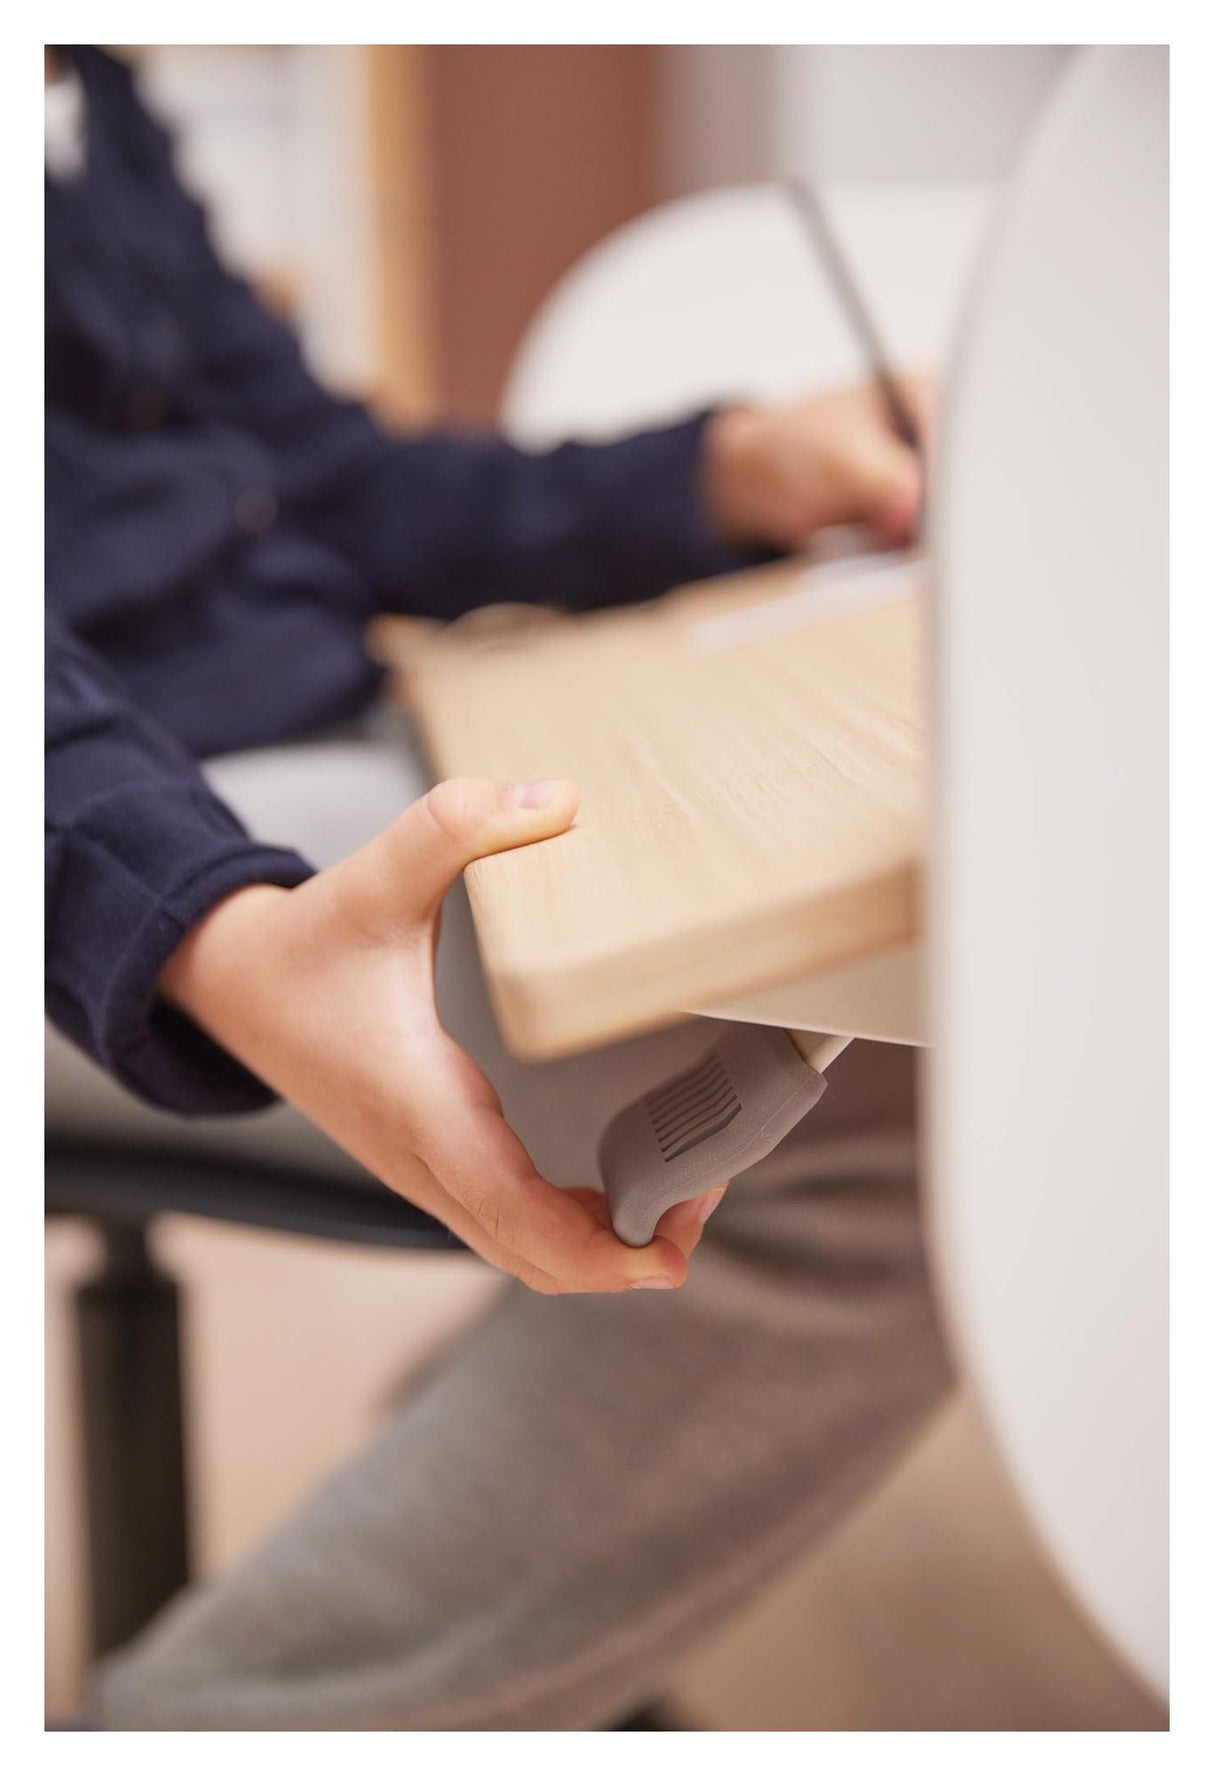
(464, 818)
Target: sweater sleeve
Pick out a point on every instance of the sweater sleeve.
(137, 850)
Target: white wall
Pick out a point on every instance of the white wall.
(885, 112)
(889, 112)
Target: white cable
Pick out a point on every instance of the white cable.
(818, 1050)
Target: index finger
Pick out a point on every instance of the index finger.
(918, 391)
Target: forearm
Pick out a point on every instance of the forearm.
(207, 974)
(441, 524)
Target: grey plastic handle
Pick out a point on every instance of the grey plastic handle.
(704, 1127)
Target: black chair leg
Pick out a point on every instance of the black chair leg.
(134, 1442)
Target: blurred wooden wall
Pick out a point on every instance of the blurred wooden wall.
(494, 168)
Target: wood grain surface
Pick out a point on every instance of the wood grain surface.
(751, 759)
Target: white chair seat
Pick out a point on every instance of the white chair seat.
(721, 295)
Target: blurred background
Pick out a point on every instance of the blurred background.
(410, 207)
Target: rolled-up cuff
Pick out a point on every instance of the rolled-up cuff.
(669, 466)
(153, 1049)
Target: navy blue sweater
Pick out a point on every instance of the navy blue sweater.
(219, 532)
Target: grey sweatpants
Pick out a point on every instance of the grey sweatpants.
(588, 1485)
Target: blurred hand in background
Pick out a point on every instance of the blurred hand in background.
(776, 475)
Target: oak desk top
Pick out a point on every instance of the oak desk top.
(751, 759)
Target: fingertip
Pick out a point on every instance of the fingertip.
(684, 1224)
(552, 800)
(898, 514)
(543, 792)
(671, 1273)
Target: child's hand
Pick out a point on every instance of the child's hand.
(776, 475)
(326, 991)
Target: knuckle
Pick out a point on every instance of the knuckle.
(455, 806)
(493, 1217)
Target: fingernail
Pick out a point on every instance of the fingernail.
(654, 1283)
(710, 1203)
(534, 795)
